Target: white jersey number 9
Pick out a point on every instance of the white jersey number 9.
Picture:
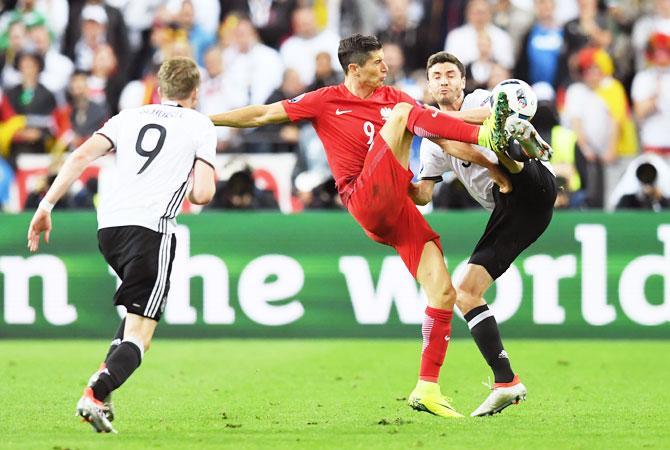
(150, 154)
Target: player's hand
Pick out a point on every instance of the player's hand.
(501, 179)
(41, 223)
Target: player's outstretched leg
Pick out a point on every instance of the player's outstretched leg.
(433, 276)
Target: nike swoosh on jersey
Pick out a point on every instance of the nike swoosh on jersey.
(339, 112)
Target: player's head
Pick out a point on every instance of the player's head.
(446, 79)
(179, 79)
(362, 57)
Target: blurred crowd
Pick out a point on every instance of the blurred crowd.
(601, 70)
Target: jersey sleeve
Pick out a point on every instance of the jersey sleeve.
(305, 106)
(111, 130)
(477, 99)
(433, 161)
(206, 144)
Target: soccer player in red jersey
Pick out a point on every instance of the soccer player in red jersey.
(366, 129)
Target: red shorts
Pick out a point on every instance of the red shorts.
(379, 202)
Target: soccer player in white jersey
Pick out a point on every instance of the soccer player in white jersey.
(519, 215)
(162, 152)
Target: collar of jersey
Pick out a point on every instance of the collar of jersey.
(171, 103)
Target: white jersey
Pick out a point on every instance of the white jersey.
(156, 147)
(475, 178)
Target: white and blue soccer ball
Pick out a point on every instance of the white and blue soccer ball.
(520, 96)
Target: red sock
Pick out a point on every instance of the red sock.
(436, 332)
(424, 122)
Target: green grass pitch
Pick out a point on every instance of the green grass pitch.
(339, 394)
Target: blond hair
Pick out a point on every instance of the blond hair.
(178, 77)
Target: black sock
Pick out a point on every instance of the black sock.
(484, 330)
(118, 337)
(120, 365)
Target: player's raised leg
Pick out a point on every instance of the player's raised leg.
(507, 388)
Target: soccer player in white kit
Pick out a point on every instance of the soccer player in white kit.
(162, 153)
(518, 217)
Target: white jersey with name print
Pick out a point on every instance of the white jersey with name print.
(475, 178)
(156, 148)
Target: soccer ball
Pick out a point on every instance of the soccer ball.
(521, 97)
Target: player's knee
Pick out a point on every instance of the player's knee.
(399, 113)
(467, 299)
(446, 297)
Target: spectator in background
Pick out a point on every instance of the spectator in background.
(41, 187)
(325, 75)
(317, 190)
(215, 93)
(32, 100)
(55, 12)
(396, 74)
(16, 40)
(93, 23)
(596, 110)
(271, 18)
(645, 184)
(541, 46)
(278, 138)
(105, 81)
(403, 31)
(478, 72)
(564, 142)
(347, 17)
(240, 192)
(253, 68)
(651, 96)
(498, 74)
(590, 29)
(299, 51)
(512, 18)
(207, 13)
(462, 41)
(57, 67)
(21, 13)
(86, 115)
(658, 21)
(199, 39)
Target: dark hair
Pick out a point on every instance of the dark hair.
(444, 57)
(356, 50)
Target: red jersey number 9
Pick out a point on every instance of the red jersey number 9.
(369, 130)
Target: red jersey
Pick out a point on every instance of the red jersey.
(346, 124)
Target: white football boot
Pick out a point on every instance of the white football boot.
(528, 138)
(502, 395)
(93, 411)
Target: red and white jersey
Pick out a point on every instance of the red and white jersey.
(156, 147)
(346, 124)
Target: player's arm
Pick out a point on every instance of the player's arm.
(94, 147)
(204, 183)
(421, 193)
(474, 115)
(467, 152)
(251, 116)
